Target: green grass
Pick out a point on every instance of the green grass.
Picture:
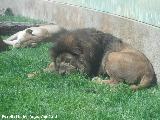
(70, 97)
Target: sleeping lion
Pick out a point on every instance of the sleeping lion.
(94, 52)
(30, 37)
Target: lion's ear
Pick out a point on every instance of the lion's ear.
(29, 31)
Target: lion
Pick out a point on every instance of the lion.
(95, 53)
(30, 37)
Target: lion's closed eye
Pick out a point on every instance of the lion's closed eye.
(68, 60)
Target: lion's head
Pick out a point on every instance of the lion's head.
(77, 50)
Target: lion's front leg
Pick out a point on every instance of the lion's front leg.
(50, 67)
(100, 81)
(13, 37)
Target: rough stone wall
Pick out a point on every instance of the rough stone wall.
(142, 36)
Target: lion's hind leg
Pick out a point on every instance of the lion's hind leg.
(146, 82)
(131, 68)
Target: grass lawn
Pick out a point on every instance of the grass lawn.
(71, 97)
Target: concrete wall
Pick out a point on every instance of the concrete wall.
(142, 36)
(147, 11)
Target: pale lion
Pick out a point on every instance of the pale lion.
(33, 35)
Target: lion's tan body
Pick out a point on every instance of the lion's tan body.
(129, 66)
(33, 35)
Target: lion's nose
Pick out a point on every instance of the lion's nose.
(62, 72)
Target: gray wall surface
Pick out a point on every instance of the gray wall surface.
(147, 11)
(142, 36)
